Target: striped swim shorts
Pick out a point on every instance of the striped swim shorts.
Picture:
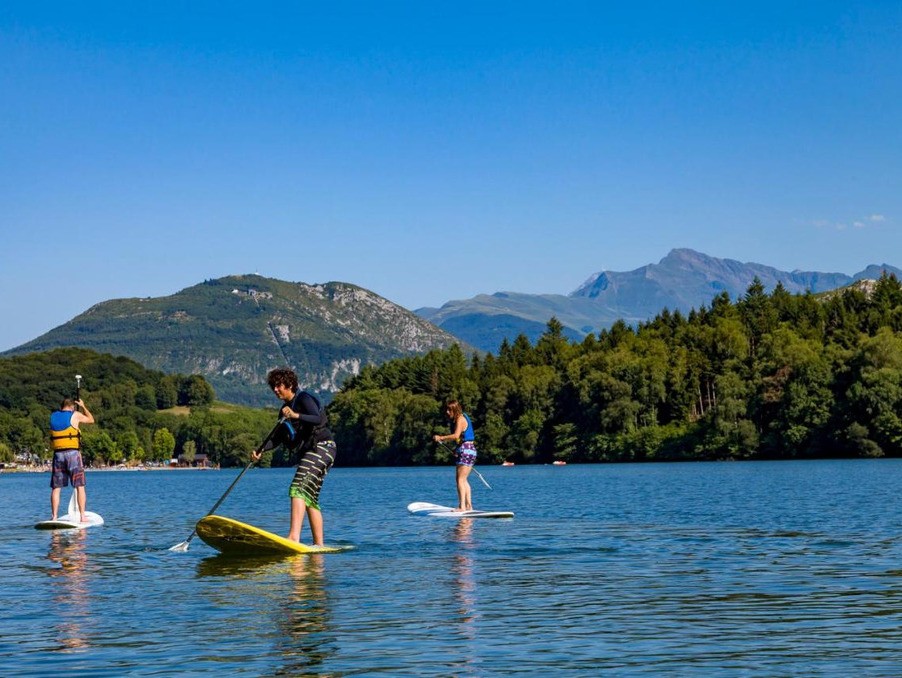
(308, 479)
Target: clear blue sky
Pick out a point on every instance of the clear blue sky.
(432, 151)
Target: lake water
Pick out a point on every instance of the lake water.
(698, 569)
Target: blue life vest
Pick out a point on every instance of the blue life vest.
(63, 435)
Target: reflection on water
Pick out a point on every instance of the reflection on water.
(247, 567)
(307, 639)
(290, 595)
(465, 592)
(69, 587)
(462, 567)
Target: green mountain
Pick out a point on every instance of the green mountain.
(232, 330)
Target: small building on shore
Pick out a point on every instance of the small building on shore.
(198, 461)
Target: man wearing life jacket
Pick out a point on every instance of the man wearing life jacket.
(65, 439)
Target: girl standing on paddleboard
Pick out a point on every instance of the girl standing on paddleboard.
(304, 431)
(461, 433)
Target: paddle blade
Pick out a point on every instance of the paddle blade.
(180, 547)
(484, 481)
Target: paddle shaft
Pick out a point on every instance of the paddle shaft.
(485, 482)
(235, 482)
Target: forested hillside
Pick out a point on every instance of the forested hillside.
(770, 376)
(233, 330)
(142, 415)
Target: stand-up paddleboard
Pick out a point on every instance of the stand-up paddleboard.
(237, 538)
(423, 508)
(72, 520)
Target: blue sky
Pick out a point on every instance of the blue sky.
(433, 151)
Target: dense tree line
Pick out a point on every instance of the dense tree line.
(770, 376)
(142, 415)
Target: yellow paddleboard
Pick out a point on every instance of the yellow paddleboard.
(237, 538)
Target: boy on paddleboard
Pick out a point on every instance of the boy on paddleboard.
(65, 439)
(461, 433)
(305, 431)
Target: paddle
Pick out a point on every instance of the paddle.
(442, 443)
(181, 547)
(73, 504)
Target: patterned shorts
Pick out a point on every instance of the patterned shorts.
(67, 465)
(466, 454)
(308, 479)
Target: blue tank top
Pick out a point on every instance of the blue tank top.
(469, 435)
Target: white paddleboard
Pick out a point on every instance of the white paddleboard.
(423, 508)
(72, 520)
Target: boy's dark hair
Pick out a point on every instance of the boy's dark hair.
(67, 402)
(282, 376)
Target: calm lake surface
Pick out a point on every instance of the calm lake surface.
(699, 568)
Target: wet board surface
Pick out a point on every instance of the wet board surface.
(234, 537)
(72, 519)
(423, 508)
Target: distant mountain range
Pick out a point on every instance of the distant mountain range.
(683, 280)
(233, 330)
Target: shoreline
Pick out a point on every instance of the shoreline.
(104, 469)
